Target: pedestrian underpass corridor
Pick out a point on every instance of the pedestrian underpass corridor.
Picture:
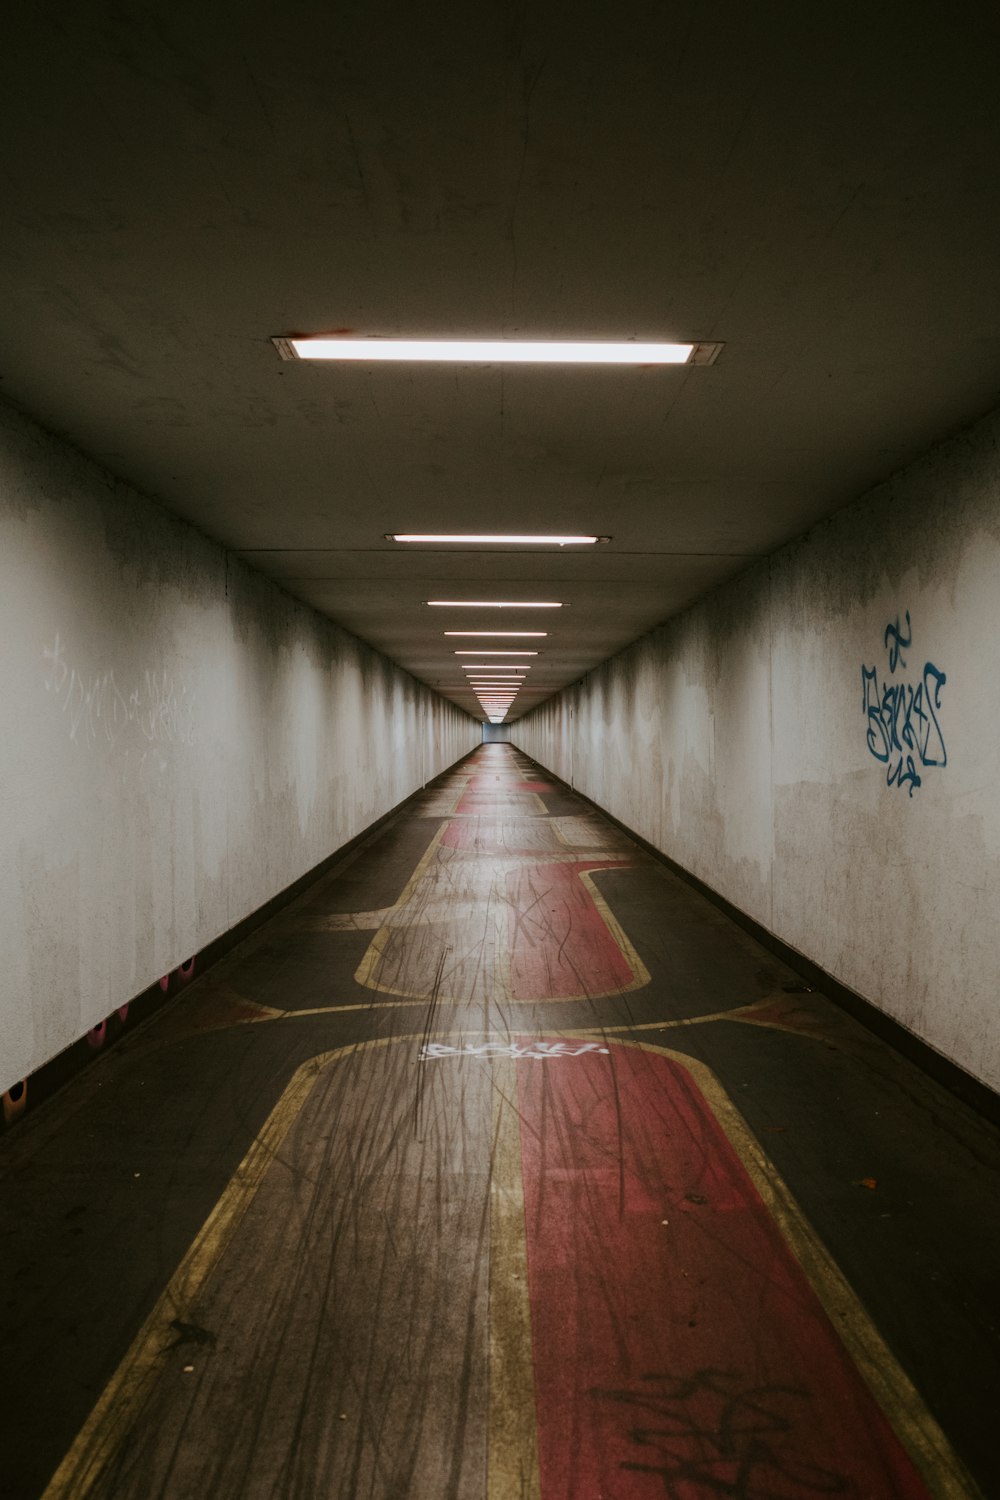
(500, 1164)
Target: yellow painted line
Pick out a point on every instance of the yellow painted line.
(613, 846)
(943, 1473)
(367, 971)
(512, 1444)
(122, 1400)
(512, 1453)
(398, 1003)
(628, 952)
(364, 973)
(120, 1406)
(486, 816)
(744, 1013)
(501, 980)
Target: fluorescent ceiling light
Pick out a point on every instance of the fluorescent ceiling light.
(506, 634)
(480, 652)
(476, 538)
(497, 351)
(495, 603)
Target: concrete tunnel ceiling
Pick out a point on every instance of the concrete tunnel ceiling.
(815, 189)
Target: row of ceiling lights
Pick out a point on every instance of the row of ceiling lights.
(494, 685)
(496, 692)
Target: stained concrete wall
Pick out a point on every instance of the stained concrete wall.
(181, 741)
(771, 740)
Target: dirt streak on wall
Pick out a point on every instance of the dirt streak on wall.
(181, 741)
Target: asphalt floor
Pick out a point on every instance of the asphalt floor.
(500, 1165)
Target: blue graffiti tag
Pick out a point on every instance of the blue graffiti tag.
(902, 717)
(899, 641)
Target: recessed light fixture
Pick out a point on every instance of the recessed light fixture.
(505, 634)
(476, 538)
(480, 652)
(497, 351)
(495, 603)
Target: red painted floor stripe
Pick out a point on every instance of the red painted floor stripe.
(560, 945)
(492, 835)
(688, 1358)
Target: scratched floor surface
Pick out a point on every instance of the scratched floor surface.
(500, 1166)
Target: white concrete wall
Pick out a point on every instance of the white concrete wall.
(735, 739)
(181, 741)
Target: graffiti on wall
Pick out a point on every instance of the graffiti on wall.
(901, 708)
(154, 709)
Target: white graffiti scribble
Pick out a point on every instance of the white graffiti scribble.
(538, 1050)
(154, 710)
